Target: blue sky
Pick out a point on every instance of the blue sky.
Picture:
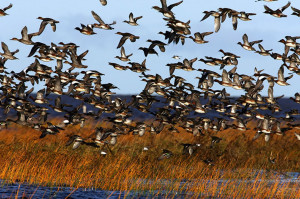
(102, 46)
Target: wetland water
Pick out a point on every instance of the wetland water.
(16, 190)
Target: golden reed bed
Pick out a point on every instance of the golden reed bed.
(237, 159)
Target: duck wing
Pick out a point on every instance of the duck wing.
(8, 7)
(170, 7)
(97, 18)
(286, 6)
(268, 9)
(122, 41)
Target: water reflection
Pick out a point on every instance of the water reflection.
(31, 191)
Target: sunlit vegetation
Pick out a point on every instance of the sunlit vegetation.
(240, 167)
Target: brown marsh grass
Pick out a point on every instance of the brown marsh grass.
(237, 162)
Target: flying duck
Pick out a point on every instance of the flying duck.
(44, 22)
(2, 11)
(277, 13)
(101, 22)
(133, 20)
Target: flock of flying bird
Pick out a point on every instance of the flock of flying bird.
(184, 105)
